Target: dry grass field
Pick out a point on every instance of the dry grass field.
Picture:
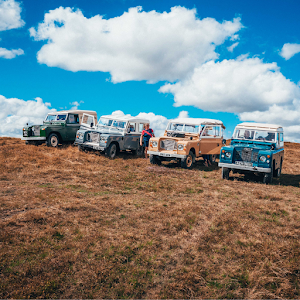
(78, 225)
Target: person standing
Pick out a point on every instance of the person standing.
(146, 135)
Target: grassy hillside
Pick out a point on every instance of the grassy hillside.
(78, 225)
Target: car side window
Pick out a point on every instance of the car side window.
(131, 127)
(210, 131)
(141, 127)
(87, 120)
(73, 119)
(281, 140)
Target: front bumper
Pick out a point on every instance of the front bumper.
(166, 155)
(33, 138)
(245, 168)
(92, 146)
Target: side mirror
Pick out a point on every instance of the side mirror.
(128, 130)
(92, 124)
(224, 142)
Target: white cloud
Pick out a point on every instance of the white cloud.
(288, 50)
(75, 104)
(230, 48)
(137, 45)
(236, 86)
(287, 116)
(10, 15)
(157, 122)
(9, 54)
(15, 113)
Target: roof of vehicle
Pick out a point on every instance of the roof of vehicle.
(72, 111)
(126, 118)
(260, 126)
(198, 121)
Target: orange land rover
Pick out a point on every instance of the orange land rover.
(186, 139)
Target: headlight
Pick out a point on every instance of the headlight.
(180, 147)
(228, 154)
(79, 135)
(154, 144)
(103, 138)
(262, 158)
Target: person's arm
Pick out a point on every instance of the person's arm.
(153, 133)
(141, 139)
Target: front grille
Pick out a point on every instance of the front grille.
(168, 145)
(35, 130)
(246, 154)
(93, 137)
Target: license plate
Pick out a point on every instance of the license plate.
(96, 147)
(244, 163)
(165, 154)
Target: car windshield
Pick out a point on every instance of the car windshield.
(257, 135)
(51, 118)
(104, 122)
(183, 127)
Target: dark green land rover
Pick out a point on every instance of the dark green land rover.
(59, 127)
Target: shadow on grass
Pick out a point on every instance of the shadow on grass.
(288, 180)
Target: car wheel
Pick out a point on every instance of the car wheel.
(139, 151)
(154, 160)
(188, 161)
(268, 177)
(214, 157)
(80, 148)
(225, 173)
(112, 151)
(53, 140)
(278, 171)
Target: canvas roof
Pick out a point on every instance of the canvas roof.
(259, 126)
(198, 121)
(126, 118)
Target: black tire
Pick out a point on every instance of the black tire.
(225, 173)
(111, 151)
(268, 177)
(139, 151)
(80, 148)
(214, 157)
(154, 160)
(52, 140)
(188, 162)
(278, 171)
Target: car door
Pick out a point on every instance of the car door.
(72, 125)
(211, 139)
(132, 137)
(88, 121)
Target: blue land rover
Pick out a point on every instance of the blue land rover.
(255, 147)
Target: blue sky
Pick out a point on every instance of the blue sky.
(154, 59)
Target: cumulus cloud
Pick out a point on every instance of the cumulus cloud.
(9, 54)
(137, 45)
(289, 50)
(231, 48)
(15, 113)
(10, 15)
(235, 86)
(157, 122)
(287, 116)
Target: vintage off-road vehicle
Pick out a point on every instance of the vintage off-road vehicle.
(186, 139)
(112, 135)
(255, 147)
(59, 127)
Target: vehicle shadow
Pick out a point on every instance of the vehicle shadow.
(198, 165)
(288, 180)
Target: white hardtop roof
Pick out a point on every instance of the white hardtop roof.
(126, 118)
(72, 111)
(262, 126)
(197, 121)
